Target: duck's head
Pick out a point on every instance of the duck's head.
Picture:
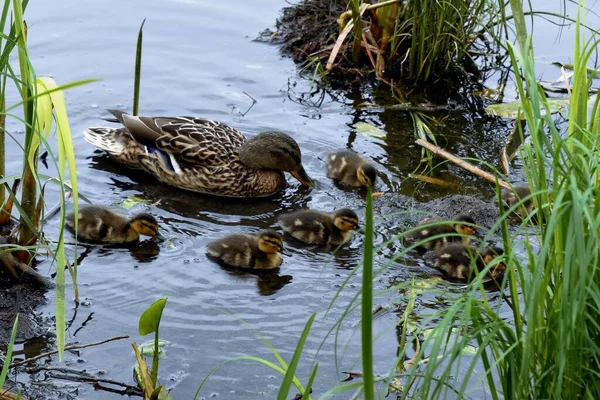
(270, 241)
(144, 224)
(345, 219)
(465, 225)
(488, 256)
(366, 175)
(275, 151)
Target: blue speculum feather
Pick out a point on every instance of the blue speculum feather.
(167, 159)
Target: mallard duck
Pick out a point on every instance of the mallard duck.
(202, 155)
(463, 224)
(455, 260)
(260, 251)
(515, 196)
(99, 224)
(350, 168)
(318, 227)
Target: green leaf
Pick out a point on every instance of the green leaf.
(160, 393)
(511, 110)
(469, 350)
(370, 130)
(147, 348)
(132, 201)
(150, 319)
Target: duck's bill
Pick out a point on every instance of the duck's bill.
(300, 174)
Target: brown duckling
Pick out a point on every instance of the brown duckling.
(318, 227)
(515, 196)
(99, 224)
(463, 224)
(348, 167)
(455, 260)
(260, 251)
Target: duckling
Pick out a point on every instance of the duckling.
(516, 196)
(260, 251)
(350, 168)
(455, 260)
(318, 227)
(99, 224)
(464, 225)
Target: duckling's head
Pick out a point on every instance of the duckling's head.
(144, 224)
(275, 151)
(366, 175)
(345, 219)
(270, 241)
(465, 225)
(514, 195)
(488, 256)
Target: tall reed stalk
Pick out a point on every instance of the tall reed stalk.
(43, 106)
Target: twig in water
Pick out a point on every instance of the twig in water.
(83, 376)
(462, 163)
(251, 105)
(71, 347)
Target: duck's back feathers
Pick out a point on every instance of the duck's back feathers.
(308, 226)
(244, 251)
(118, 143)
(99, 224)
(237, 250)
(456, 260)
(348, 167)
(453, 259)
(320, 228)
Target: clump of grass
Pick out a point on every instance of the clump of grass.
(551, 346)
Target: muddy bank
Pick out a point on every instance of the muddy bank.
(23, 300)
(485, 213)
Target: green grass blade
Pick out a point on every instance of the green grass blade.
(138, 69)
(311, 380)
(284, 389)
(367, 303)
(9, 350)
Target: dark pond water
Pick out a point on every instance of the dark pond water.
(200, 59)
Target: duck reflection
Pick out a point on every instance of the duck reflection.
(268, 282)
(144, 251)
(202, 206)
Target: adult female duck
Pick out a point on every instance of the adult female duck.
(202, 155)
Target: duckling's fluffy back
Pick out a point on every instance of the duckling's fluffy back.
(316, 227)
(240, 250)
(348, 167)
(96, 223)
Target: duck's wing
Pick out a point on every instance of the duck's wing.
(191, 139)
(200, 141)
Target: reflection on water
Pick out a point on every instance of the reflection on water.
(267, 282)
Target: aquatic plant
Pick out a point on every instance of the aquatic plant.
(43, 106)
(551, 346)
(149, 323)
